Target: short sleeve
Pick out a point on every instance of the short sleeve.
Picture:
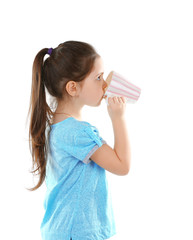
(84, 143)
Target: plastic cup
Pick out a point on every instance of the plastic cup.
(121, 87)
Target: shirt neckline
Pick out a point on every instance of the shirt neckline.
(58, 123)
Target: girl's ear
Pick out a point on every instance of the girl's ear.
(73, 88)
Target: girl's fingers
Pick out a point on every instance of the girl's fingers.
(110, 99)
(119, 99)
(123, 99)
(116, 99)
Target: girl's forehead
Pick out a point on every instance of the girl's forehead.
(98, 66)
(97, 69)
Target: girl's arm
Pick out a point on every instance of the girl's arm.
(115, 160)
(121, 142)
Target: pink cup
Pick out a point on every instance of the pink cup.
(119, 86)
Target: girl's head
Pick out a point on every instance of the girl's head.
(71, 64)
(70, 61)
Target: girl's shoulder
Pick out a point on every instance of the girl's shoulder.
(69, 125)
(71, 129)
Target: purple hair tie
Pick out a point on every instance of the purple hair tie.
(50, 51)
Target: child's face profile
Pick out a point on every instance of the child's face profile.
(92, 90)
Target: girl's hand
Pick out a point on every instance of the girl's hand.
(116, 107)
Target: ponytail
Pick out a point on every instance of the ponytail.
(39, 117)
(70, 61)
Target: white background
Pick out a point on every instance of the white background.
(150, 43)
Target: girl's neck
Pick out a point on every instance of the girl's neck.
(63, 114)
(67, 109)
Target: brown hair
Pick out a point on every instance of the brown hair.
(70, 61)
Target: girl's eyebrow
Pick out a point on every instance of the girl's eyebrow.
(99, 74)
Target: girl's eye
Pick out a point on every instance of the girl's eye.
(99, 78)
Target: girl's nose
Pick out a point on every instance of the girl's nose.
(105, 85)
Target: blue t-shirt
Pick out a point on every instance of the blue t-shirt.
(78, 202)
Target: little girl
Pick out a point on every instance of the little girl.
(69, 153)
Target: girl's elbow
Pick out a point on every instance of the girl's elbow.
(126, 171)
